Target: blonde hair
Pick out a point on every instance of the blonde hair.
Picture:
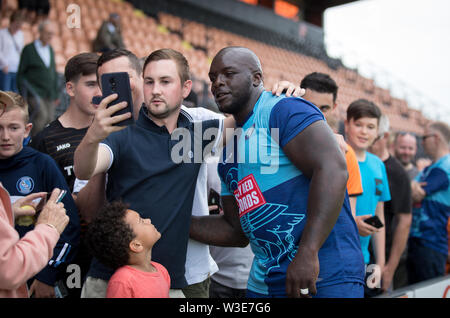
(19, 102)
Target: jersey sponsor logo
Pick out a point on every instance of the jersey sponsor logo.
(62, 147)
(248, 195)
(25, 185)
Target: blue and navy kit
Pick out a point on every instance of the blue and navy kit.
(31, 171)
(146, 174)
(430, 216)
(272, 195)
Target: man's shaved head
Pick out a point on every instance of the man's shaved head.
(236, 79)
(244, 54)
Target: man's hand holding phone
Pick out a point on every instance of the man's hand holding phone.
(104, 120)
(365, 229)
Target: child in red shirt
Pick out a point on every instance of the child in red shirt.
(122, 240)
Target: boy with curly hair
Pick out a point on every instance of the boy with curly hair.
(120, 239)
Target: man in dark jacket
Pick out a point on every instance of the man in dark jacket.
(37, 78)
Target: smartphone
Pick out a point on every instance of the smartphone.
(214, 199)
(117, 83)
(60, 290)
(374, 221)
(61, 196)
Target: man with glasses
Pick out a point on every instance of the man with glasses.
(428, 245)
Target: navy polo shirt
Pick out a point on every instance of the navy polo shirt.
(155, 173)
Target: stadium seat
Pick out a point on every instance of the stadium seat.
(199, 43)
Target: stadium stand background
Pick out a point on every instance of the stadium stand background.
(289, 48)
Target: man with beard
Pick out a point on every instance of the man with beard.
(287, 195)
(142, 159)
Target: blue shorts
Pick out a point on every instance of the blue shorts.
(344, 290)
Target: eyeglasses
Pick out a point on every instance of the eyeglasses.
(2, 108)
(426, 136)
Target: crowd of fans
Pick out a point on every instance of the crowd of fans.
(139, 224)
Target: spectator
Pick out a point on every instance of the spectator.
(109, 36)
(321, 90)
(24, 170)
(272, 217)
(166, 83)
(361, 128)
(199, 263)
(122, 240)
(428, 245)
(11, 45)
(397, 212)
(61, 137)
(22, 258)
(92, 197)
(122, 60)
(405, 149)
(37, 78)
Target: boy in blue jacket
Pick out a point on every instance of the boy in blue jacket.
(24, 170)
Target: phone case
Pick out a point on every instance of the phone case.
(119, 83)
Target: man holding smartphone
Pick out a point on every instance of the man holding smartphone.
(134, 173)
(164, 92)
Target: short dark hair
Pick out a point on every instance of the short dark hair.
(109, 236)
(116, 53)
(321, 83)
(82, 64)
(177, 57)
(363, 108)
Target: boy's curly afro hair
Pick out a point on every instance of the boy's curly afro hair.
(109, 236)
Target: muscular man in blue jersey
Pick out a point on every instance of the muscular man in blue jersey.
(283, 189)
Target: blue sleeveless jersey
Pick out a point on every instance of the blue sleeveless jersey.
(272, 195)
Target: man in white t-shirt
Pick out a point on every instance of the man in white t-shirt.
(11, 44)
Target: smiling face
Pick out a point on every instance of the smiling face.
(362, 132)
(405, 148)
(13, 130)
(233, 74)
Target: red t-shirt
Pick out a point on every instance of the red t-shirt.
(129, 282)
